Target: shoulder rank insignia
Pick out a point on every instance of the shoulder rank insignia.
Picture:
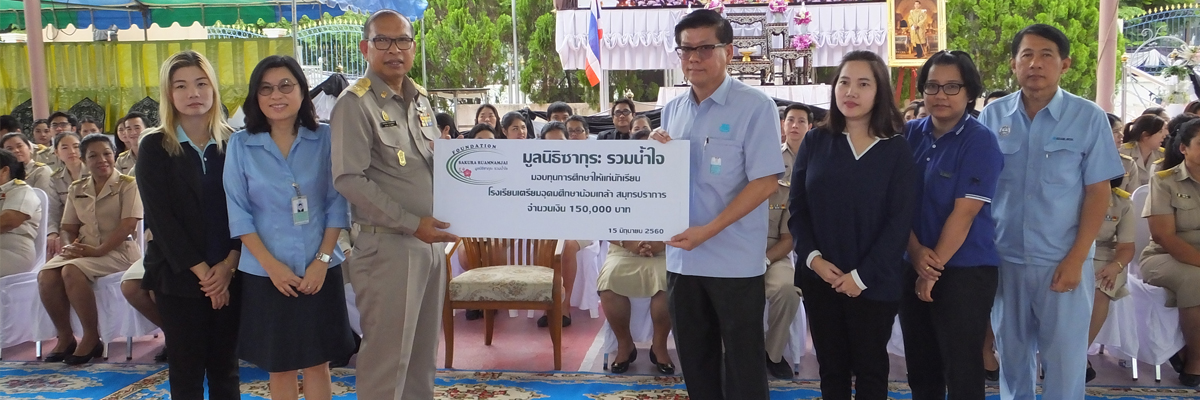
(1128, 145)
(79, 181)
(1121, 193)
(421, 89)
(1125, 157)
(123, 153)
(1158, 161)
(1162, 149)
(360, 86)
(18, 182)
(1165, 173)
(127, 178)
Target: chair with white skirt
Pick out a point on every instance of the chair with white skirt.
(19, 291)
(1159, 336)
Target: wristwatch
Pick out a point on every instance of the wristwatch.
(325, 258)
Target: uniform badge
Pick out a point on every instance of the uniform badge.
(401, 158)
(1183, 196)
(387, 121)
(426, 119)
(1004, 131)
(1110, 218)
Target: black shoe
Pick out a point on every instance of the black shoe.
(474, 315)
(622, 367)
(667, 368)
(781, 369)
(992, 375)
(1177, 362)
(80, 360)
(161, 357)
(1189, 380)
(544, 321)
(1091, 373)
(59, 357)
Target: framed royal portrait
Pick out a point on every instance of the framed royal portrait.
(918, 30)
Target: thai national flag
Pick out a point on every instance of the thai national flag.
(594, 35)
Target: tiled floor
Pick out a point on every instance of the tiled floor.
(519, 345)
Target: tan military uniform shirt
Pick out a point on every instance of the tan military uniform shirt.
(383, 153)
(125, 162)
(778, 213)
(60, 184)
(98, 213)
(1174, 192)
(38, 175)
(17, 251)
(45, 154)
(1130, 182)
(1118, 227)
(1145, 168)
(789, 158)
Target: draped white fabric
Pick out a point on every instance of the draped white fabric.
(814, 95)
(645, 38)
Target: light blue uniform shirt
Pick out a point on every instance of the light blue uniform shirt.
(1047, 163)
(734, 138)
(259, 192)
(183, 139)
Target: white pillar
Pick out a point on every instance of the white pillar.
(38, 88)
(1106, 68)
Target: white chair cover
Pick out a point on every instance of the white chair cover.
(19, 292)
(1158, 333)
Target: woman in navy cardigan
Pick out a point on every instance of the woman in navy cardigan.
(852, 202)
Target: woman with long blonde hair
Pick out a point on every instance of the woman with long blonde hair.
(191, 263)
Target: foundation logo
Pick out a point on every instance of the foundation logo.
(477, 164)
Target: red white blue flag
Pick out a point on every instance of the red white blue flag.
(594, 35)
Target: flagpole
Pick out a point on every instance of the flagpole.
(605, 97)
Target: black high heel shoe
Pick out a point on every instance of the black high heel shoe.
(667, 368)
(622, 367)
(60, 356)
(80, 360)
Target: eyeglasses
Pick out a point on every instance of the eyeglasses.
(60, 125)
(576, 131)
(949, 88)
(384, 43)
(704, 51)
(622, 113)
(285, 86)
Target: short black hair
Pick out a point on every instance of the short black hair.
(1046, 32)
(643, 116)
(95, 138)
(9, 123)
(971, 79)
(553, 126)
(995, 94)
(4, 139)
(581, 120)
(624, 101)
(16, 169)
(59, 137)
(40, 122)
(256, 121)
(133, 115)
(797, 106)
(480, 128)
(70, 118)
(559, 107)
(704, 18)
(1114, 120)
(377, 14)
(508, 120)
(90, 120)
(487, 106)
(444, 120)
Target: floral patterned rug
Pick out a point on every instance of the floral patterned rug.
(34, 380)
(40, 380)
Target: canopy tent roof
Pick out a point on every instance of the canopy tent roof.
(122, 14)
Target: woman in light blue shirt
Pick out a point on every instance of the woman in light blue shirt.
(282, 205)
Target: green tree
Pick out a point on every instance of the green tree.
(1152, 4)
(464, 45)
(985, 28)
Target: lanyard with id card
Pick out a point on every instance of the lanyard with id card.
(299, 207)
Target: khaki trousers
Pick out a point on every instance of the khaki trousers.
(783, 299)
(399, 286)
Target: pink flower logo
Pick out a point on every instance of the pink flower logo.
(467, 173)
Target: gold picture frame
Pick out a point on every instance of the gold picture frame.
(909, 45)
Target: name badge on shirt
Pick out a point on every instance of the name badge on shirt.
(300, 210)
(387, 122)
(714, 166)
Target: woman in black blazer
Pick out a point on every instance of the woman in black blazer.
(191, 263)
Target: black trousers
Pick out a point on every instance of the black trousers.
(201, 342)
(942, 339)
(850, 336)
(708, 313)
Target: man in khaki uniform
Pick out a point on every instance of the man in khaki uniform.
(383, 132)
(783, 297)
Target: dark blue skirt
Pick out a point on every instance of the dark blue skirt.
(280, 333)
